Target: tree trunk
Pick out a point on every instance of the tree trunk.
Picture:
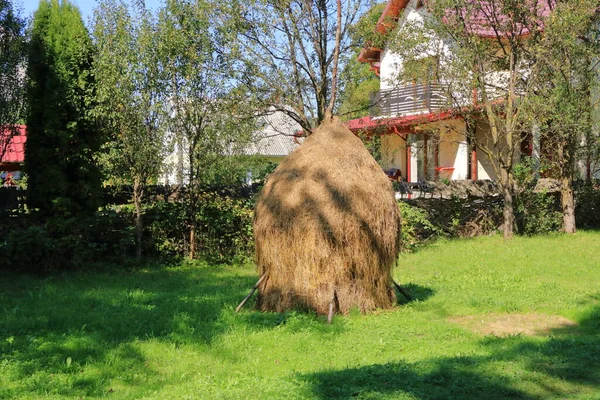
(568, 205)
(192, 241)
(508, 214)
(138, 192)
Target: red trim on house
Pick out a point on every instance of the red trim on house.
(474, 163)
(386, 22)
(436, 160)
(400, 125)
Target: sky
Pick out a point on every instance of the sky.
(85, 6)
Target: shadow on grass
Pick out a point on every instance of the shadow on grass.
(566, 364)
(416, 292)
(65, 324)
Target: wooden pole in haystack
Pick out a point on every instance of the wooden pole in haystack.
(327, 222)
(243, 303)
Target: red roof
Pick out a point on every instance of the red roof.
(397, 125)
(15, 150)
(483, 18)
(486, 18)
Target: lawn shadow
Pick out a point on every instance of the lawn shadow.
(566, 364)
(436, 379)
(64, 323)
(416, 293)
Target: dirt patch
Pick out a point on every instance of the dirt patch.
(513, 324)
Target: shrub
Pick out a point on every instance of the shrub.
(587, 204)
(224, 224)
(535, 212)
(61, 243)
(417, 229)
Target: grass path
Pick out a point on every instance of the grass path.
(171, 332)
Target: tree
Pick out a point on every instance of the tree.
(207, 109)
(358, 81)
(292, 51)
(485, 55)
(132, 97)
(62, 135)
(561, 101)
(12, 76)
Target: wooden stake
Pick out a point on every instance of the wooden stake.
(262, 278)
(401, 290)
(331, 304)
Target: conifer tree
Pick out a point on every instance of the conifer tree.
(62, 138)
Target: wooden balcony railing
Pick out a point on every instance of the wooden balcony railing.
(410, 99)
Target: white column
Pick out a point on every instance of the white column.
(461, 163)
(414, 153)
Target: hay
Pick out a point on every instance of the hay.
(327, 220)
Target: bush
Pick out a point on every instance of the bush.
(587, 204)
(60, 243)
(425, 220)
(417, 229)
(535, 212)
(224, 224)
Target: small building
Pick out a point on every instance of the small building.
(12, 150)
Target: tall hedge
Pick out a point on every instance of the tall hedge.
(62, 137)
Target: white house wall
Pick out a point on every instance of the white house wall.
(485, 169)
(393, 152)
(391, 62)
(453, 150)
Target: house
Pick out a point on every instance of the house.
(12, 150)
(422, 134)
(276, 137)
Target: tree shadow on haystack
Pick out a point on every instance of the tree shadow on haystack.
(327, 228)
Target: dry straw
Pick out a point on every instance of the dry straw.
(327, 221)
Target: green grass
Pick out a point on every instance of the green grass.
(172, 332)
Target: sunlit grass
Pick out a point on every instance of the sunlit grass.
(172, 332)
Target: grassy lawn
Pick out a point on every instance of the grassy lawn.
(490, 320)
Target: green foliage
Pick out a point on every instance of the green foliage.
(13, 55)
(290, 52)
(224, 227)
(417, 229)
(587, 201)
(536, 212)
(67, 243)
(426, 220)
(132, 97)
(62, 135)
(358, 81)
(171, 331)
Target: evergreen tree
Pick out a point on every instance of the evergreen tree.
(12, 60)
(62, 137)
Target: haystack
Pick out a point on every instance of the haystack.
(327, 222)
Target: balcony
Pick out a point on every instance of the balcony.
(410, 99)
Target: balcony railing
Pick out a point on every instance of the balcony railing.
(411, 99)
